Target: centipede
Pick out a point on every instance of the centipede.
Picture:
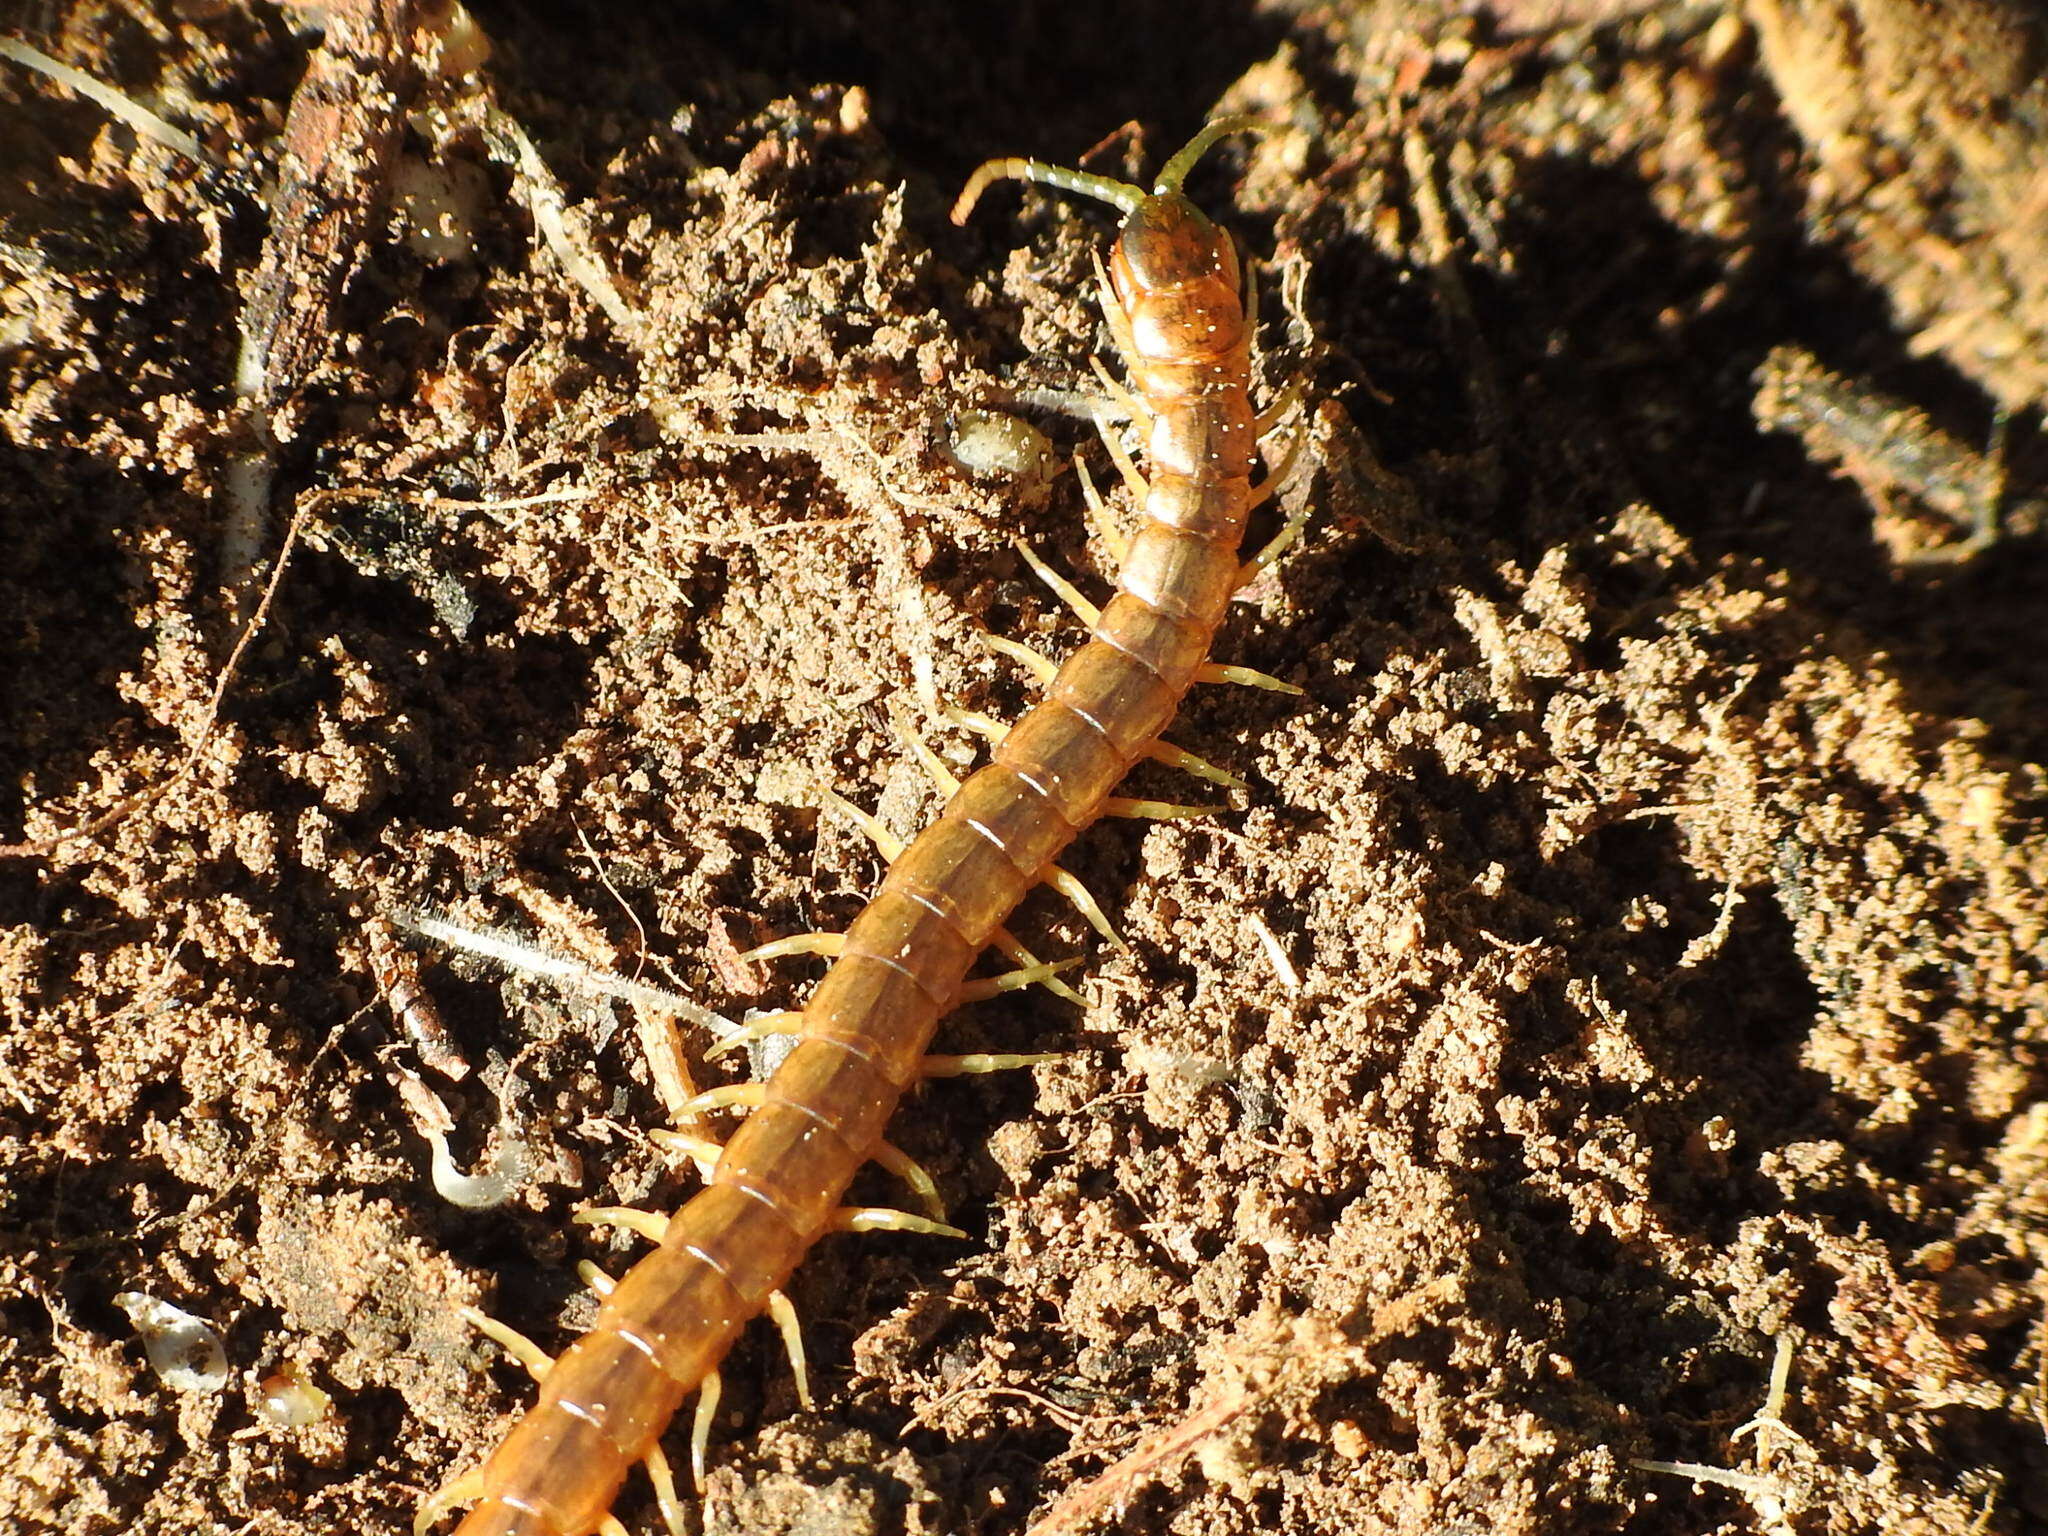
(1174, 294)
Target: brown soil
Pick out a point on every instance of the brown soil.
(1629, 954)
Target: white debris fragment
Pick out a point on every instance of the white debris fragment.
(184, 1351)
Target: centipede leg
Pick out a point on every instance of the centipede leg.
(943, 778)
(1064, 589)
(827, 944)
(1137, 410)
(700, 1427)
(894, 1159)
(1134, 478)
(1119, 329)
(788, 1022)
(537, 1361)
(1007, 945)
(701, 1150)
(1289, 457)
(887, 843)
(1275, 547)
(1041, 666)
(981, 989)
(666, 1499)
(466, 1489)
(1271, 417)
(651, 1225)
(1083, 901)
(982, 1061)
(787, 1324)
(1113, 538)
(882, 1218)
(729, 1096)
(1178, 757)
(1157, 810)
(1159, 750)
(1246, 677)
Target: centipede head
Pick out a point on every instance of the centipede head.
(1166, 241)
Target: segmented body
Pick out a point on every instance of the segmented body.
(1179, 312)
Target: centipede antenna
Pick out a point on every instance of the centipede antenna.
(1119, 194)
(1175, 171)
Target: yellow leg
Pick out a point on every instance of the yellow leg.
(788, 1022)
(1275, 413)
(516, 1344)
(1247, 677)
(1067, 592)
(826, 944)
(887, 843)
(595, 1278)
(701, 1150)
(1006, 943)
(792, 1332)
(466, 1489)
(1175, 757)
(1112, 537)
(983, 988)
(666, 1499)
(1041, 666)
(611, 1525)
(708, 1394)
(1083, 902)
(1134, 478)
(1136, 409)
(1275, 547)
(880, 1218)
(1119, 326)
(651, 1225)
(729, 1096)
(935, 767)
(907, 1168)
(1157, 810)
(977, 722)
(1278, 475)
(959, 1066)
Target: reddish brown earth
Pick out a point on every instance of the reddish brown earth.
(1629, 954)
